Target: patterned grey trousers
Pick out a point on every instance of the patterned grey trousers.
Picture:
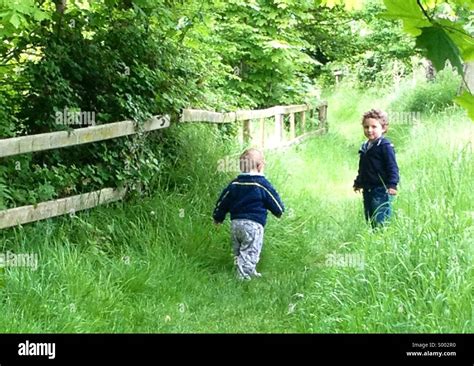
(247, 242)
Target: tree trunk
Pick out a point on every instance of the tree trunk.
(469, 75)
(60, 6)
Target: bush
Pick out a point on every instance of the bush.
(126, 70)
(429, 96)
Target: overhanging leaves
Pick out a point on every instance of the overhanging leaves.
(466, 101)
(409, 12)
(439, 47)
(463, 40)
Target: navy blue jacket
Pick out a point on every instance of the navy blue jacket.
(248, 197)
(377, 166)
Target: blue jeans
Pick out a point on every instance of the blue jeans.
(377, 205)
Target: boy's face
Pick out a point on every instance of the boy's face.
(372, 129)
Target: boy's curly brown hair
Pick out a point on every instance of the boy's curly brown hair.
(379, 115)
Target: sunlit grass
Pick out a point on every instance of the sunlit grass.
(158, 264)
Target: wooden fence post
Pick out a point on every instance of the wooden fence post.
(246, 132)
(469, 75)
(262, 132)
(292, 126)
(279, 127)
(303, 122)
(322, 115)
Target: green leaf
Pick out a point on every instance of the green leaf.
(466, 101)
(25, 7)
(110, 3)
(411, 14)
(461, 38)
(15, 20)
(39, 15)
(467, 3)
(439, 47)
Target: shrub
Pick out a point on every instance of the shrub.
(430, 96)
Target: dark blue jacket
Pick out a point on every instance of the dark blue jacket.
(377, 166)
(248, 197)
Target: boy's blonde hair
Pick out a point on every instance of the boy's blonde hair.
(251, 159)
(379, 115)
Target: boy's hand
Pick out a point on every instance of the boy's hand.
(357, 189)
(392, 191)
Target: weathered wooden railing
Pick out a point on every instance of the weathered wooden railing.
(55, 140)
(259, 136)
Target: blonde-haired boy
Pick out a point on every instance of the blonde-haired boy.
(247, 198)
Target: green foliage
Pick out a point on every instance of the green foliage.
(120, 64)
(466, 100)
(430, 96)
(6, 122)
(133, 59)
(261, 44)
(441, 29)
(19, 15)
(411, 14)
(440, 47)
(364, 47)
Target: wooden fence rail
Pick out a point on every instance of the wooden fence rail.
(277, 112)
(54, 140)
(197, 115)
(63, 206)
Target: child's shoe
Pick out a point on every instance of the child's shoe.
(241, 277)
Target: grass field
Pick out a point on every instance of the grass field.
(160, 265)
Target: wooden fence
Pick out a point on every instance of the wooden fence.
(54, 140)
(259, 137)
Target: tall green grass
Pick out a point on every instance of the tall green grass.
(428, 96)
(158, 264)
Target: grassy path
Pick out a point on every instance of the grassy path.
(159, 265)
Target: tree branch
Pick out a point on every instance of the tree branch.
(423, 10)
